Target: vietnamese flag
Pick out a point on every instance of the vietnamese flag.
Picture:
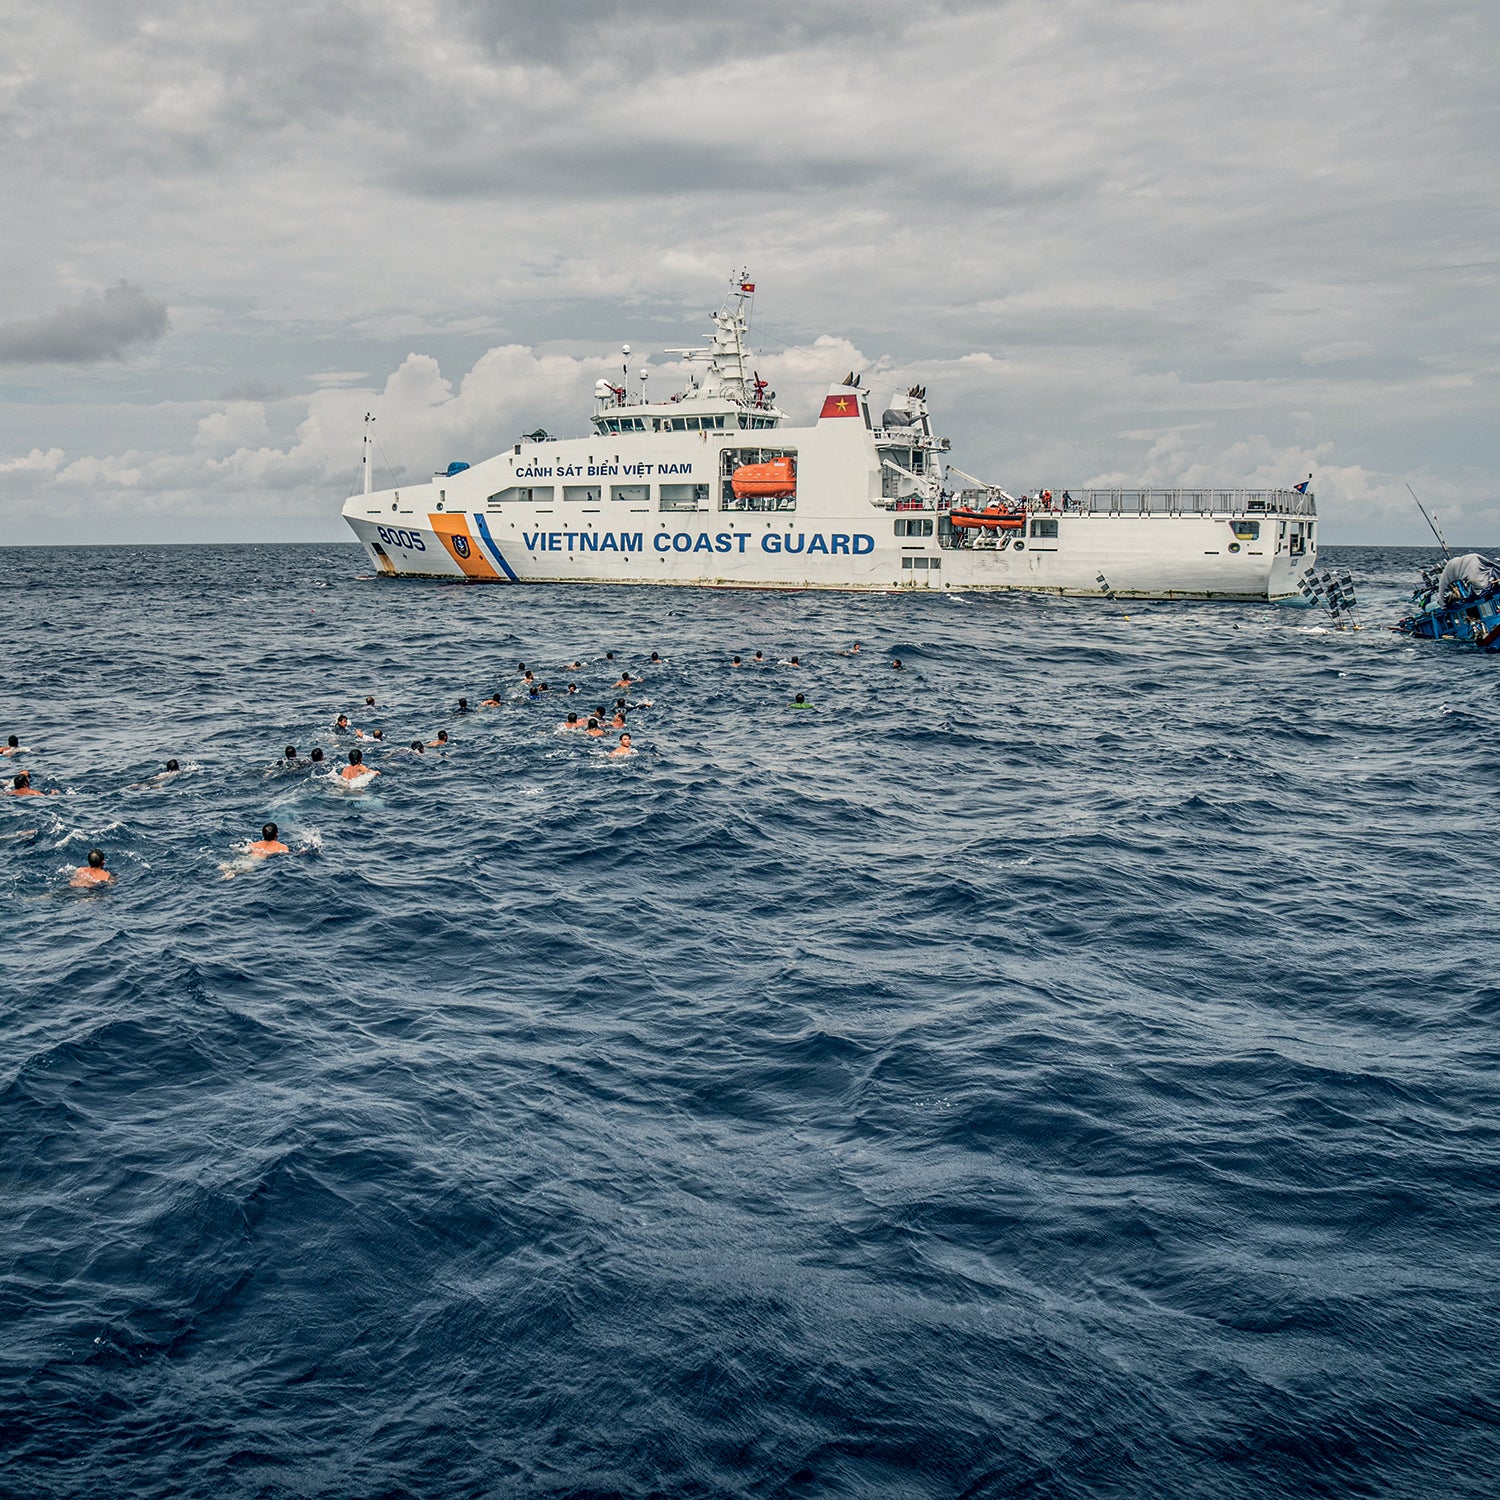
(840, 406)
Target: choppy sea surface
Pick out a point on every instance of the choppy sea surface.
(1064, 1067)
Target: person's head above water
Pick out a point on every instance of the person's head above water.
(760, 656)
(13, 743)
(417, 746)
(291, 753)
(268, 832)
(896, 665)
(341, 722)
(572, 718)
(356, 758)
(173, 766)
(378, 734)
(609, 656)
(317, 755)
(24, 779)
(96, 859)
(369, 702)
(735, 662)
(655, 657)
(442, 735)
(463, 705)
(800, 698)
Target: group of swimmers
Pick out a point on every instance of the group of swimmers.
(594, 725)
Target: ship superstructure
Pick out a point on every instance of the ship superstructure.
(711, 487)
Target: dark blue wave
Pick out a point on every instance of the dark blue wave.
(1063, 1068)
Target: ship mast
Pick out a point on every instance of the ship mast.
(369, 467)
(727, 357)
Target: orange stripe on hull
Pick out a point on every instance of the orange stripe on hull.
(463, 547)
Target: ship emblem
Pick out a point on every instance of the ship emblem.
(461, 545)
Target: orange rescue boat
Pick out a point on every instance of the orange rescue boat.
(777, 479)
(991, 518)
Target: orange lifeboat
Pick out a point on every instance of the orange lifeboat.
(991, 518)
(775, 479)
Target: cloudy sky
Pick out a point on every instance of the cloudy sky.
(1164, 241)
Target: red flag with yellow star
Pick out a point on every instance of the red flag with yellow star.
(835, 405)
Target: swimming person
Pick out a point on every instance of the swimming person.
(618, 722)
(896, 665)
(494, 701)
(21, 786)
(440, 741)
(736, 663)
(418, 747)
(593, 728)
(852, 651)
(93, 873)
(369, 702)
(463, 706)
(317, 758)
(624, 681)
(290, 761)
(655, 659)
(623, 748)
(572, 688)
(357, 767)
(571, 722)
(12, 745)
(374, 734)
(760, 657)
(796, 661)
(172, 768)
(341, 724)
(268, 843)
(800, 701)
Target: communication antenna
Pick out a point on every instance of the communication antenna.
(1431, 521)
(625, 366)
(365, 457)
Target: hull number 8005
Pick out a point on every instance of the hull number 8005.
(398, 536)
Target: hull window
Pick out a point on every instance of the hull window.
(585, 494)
(684, 496)
(915, 527)
(1043, 526)
(634, 494)
(524, 494)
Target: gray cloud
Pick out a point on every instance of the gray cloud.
(251, 390)
(101, 326)
(1182, 217)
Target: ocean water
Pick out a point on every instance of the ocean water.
(1065, 1067)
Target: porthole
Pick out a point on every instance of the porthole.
(1234, 546)
(1020, 546)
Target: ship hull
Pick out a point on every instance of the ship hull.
(1138, 557)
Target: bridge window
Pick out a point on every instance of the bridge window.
(914, 528)
(634, 494)
(587, 494)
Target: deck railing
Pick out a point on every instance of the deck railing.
(1145, 502)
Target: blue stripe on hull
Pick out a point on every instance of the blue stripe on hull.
(489, 541)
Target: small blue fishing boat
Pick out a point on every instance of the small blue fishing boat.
(1458, 602)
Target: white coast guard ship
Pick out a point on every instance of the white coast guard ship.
(711, 487)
